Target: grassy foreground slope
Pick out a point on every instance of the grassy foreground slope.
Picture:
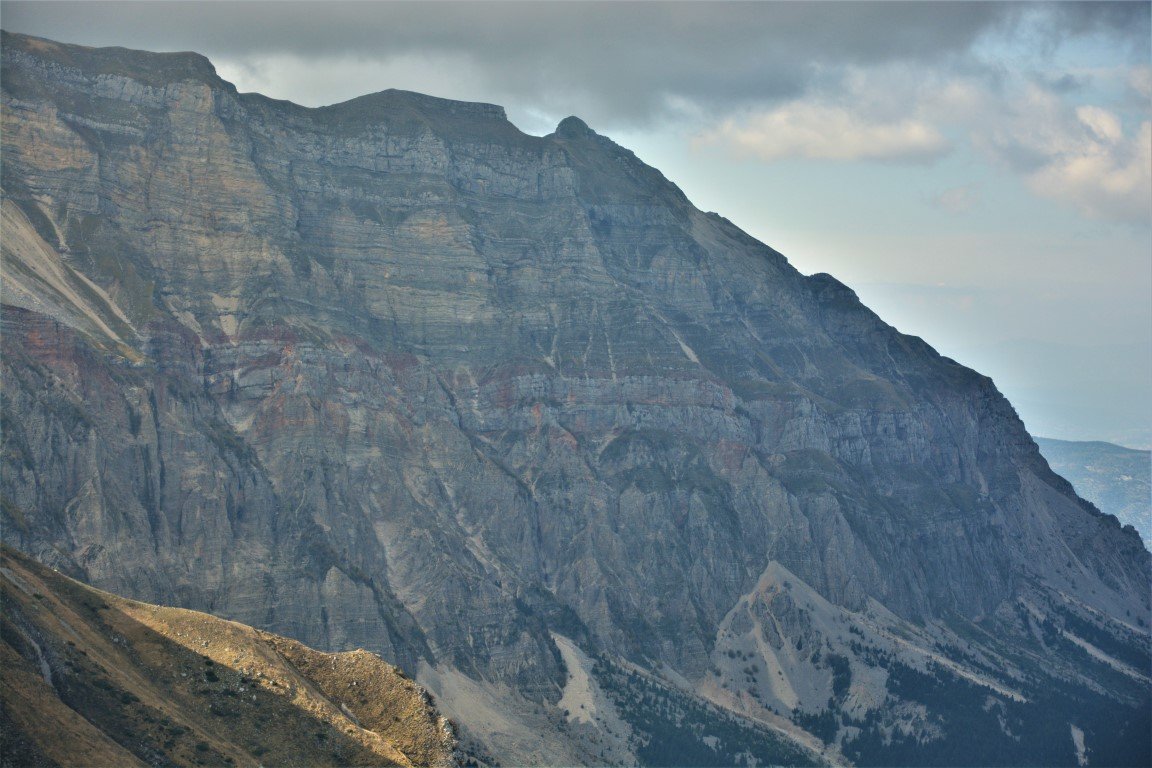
(94, 679)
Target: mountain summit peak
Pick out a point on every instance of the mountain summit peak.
(572, 126)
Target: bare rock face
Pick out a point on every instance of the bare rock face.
(393, 374)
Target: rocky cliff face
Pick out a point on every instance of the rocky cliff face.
(393, 374)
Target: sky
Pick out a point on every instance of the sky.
(980, 173)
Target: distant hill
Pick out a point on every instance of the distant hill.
(1116, 479)
(94, 679)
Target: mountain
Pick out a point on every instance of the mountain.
(1116, 479)
(607, 475)
(93, 679)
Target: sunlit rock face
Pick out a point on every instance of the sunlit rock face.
(392, 374)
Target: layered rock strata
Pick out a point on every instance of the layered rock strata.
(392, 374)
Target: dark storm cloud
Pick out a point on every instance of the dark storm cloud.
(859, 31)
(625, 60)
(1129, 19)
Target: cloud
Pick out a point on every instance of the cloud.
(1092, 158)
(1107, 176)
(1103, 125)
(1127, 21)
(957, 199)
(1063, 83)
(829, 132)
(616, 64)
(1140, 82)
(1080, 156)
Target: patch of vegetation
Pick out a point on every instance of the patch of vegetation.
(670, 726)
(979, 728)
(823, 725)
(221, 711)
(1121, 645)
(841, 674)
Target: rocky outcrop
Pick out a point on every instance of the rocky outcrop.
(393, 374)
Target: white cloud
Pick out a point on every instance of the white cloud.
(1079, 156)
(829, 132)
(1093, 158)
(1102, 123)
(1106, 177)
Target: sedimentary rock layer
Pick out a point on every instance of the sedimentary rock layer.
(393, 374)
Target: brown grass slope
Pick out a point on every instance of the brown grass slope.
(92, 679)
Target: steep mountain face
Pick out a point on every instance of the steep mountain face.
(1116, 479)
(506, 409)
(93, 679)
